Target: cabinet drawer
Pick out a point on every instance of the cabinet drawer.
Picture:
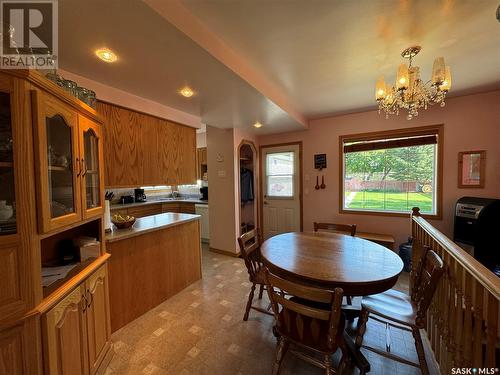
(170, 207)
(148, 210)
(187, 208)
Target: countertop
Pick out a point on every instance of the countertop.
(151, 223)
(117, 206)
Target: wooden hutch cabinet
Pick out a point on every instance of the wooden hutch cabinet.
(51, 193)
(69, 176)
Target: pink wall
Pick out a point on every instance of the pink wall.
(471, 122)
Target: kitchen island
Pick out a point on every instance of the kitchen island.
(155, 259)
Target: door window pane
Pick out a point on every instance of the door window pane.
(280, 186)
(280, 174)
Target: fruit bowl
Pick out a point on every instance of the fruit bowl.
(123, 222)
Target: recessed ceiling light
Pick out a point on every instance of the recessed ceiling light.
(106, 55)
(257, 125)
(186, 92)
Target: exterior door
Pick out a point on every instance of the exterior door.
(281, 190)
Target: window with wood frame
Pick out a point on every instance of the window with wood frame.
(391, 172)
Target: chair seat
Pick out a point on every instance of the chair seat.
(392, 305)
(312, 332)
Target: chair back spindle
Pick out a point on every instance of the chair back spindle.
(349, 229)
(299, 310)
(250, 251)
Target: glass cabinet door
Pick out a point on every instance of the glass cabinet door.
(60, 167)
(59, 162)
(90, 147)
(7, 193)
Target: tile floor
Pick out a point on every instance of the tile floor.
(201, 331)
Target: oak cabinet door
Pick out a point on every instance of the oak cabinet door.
(11, 351)
(92, 176)
(59, 163)
(98, 324)
(147, 210)
(167, 150)
(65, 336)
(123, 134)
(186, 155)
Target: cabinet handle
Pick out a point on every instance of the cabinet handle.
(84, 167)
(77, 162)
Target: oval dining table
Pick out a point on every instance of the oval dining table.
(330, 260)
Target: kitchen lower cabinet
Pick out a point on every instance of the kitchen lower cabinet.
(157, 208)
(76, 332)
(98, 324)
(146, 210)
(65, 336)
(19, 347)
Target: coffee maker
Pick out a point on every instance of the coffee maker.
(139, 195)
(204, 193)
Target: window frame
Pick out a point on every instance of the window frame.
(379, 135)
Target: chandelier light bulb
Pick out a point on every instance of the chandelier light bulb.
(402, 77)
(438, 71)
(446, 84)
(380, 89)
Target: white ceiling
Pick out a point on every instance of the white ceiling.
(326, 55)
(322, 56)
(156, 60)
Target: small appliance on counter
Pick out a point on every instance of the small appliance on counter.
(139, 195)
(126, 199)
(204, 193)
(476, 226)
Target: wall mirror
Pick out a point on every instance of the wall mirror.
(471, 169)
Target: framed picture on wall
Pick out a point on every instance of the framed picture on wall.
(471, 169)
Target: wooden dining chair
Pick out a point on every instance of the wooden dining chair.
(302, 321)
(407, 312)
(250, 252)
(337, 228)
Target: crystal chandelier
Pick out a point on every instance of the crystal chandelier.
(410, 92)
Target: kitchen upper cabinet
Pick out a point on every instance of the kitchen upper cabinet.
(59, 162)
(187, 155)
(92, 175)
(69, 152)
(201, 163)
(123, 143)
(145, 150)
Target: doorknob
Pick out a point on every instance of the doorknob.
(265, 202)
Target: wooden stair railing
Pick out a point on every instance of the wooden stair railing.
(463, 318)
